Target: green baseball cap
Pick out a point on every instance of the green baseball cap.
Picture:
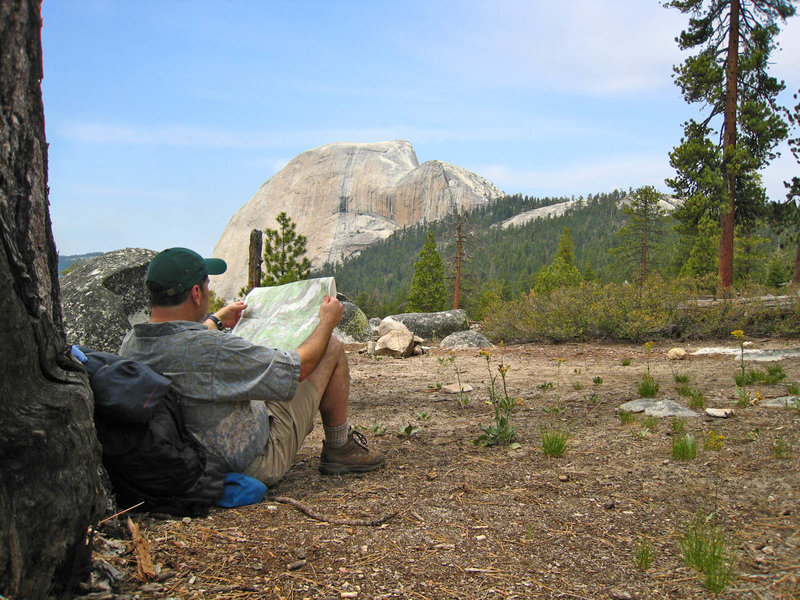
(176, 270)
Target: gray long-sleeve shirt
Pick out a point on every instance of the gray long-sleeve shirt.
(223, 380)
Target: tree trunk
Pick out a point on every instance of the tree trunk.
(49, 453)
(254, 259)
(796, 276)
(729, 148)
(457, 290)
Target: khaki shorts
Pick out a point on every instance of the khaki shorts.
(289, 424)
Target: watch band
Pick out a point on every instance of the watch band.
(217, 322)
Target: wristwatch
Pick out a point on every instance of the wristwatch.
(217, 322)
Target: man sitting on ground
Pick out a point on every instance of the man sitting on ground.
(251, 405)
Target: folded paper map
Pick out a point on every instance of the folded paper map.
(283, 316)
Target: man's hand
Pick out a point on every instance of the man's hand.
(230, 315)
(330, 312)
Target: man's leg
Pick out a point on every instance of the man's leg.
(344, 450)
(332, 380)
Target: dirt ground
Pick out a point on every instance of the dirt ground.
(495, 522)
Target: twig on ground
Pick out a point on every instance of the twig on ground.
(334, 521)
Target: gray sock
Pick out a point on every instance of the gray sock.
(336, 437)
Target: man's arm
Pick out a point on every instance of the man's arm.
(311, 351)
(228, 315)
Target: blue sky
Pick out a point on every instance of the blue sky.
(164, 118)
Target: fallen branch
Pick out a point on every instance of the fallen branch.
(334, 521)
(144, 560)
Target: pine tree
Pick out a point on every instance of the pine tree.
(639, 237)
(283, 253)
(786, 216)
(717, 164)
(428, 291)
(562, 272)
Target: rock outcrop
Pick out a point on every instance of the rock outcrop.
(437, 325)
(103, 298)
(344, 197)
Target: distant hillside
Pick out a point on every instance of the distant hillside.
(505, 260)
(65, 262)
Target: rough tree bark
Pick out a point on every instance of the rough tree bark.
(727, 219)
(254, 260)
(49, 454)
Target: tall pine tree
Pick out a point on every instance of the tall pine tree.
(428, 291)
(639, 237)
(718, 160)
(284, 250)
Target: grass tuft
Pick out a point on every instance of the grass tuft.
(554, 441)
(684, 447)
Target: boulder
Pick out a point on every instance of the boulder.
(354, 326)
(461, 340)
(434, 325)
(389, 324)
(658, 408)
(397, 343)
(676, 354)
(344, 197)
(104, 297)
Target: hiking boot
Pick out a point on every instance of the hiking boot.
(353, 457)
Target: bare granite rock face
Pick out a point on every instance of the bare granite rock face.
(344, 197)
(104, 297)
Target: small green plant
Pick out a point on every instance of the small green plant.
(796, 405)
(554, 441)
(595, 399)
(684, 447)
(502, 432)
(650, 422)
(706, 548)
(681, 378)
(554, 411)
(781, 447)
(648, 386)
(423, 415)
(434, 386)
(625, 362)
(378, 428)
(407, 430)
(753, 434)
(643, 555)
(742, 397)
(696, 399)
(597, 380)
(641, 433)
(793, 389)
(626, 417)
(678, 426)
(577, 385)
(547, 385)
(775, 374)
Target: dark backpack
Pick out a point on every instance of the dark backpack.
(149, 455)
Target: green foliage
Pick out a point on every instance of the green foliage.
(681, 378)
(215, 303)
(643, 555)
(704, 257)
(283, 253)
(428, 291)
(696, 399)
(502, 432)
(639, 238)
(408, 430)
(648, 386)
(631, 313)
(781, 447)
(626, 417)
(562, 272)
(717, 174)
(706, 548)
(554, 441)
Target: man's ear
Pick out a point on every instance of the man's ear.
(196, 294)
